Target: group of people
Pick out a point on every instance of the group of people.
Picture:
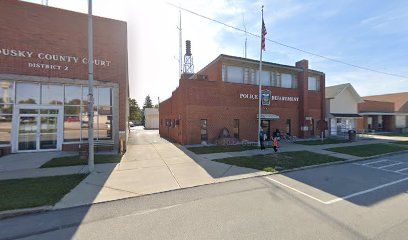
(275, 139)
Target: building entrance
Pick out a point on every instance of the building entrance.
(266, 126)
(37, 129)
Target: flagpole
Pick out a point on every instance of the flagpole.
(260, 84)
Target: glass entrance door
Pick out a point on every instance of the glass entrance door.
(48, 132)
(39, 130)
(27, 133)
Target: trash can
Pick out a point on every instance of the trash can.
(352, 135)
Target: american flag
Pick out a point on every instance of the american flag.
(263, 35)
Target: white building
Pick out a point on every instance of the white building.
(342, 108)
(151, 118)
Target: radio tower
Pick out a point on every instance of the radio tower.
(188, 59)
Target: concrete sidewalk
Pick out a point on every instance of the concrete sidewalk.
(292, 147)
(158, 166)
(150, 165)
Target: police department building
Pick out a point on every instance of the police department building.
(224, 95)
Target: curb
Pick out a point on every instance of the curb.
(340, 162)
(23, 211)
(26, 211)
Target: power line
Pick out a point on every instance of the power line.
(285, 45)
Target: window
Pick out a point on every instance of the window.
(313, 84)
(52, 94)
(276, 79)
(235, 74)
(236, 128)
(27, 93)
(72, 95)
(6, 92)
(76, 113)
(266, 78)
(286, 80)
(249, 76)
(72, 128)
(6, 110)
(204, 125)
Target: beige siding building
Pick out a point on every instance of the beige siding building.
(342, 108)
(151, 118)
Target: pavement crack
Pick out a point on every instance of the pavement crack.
(117, 189)
(161, 157)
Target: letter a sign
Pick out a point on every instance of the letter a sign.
(266, 98)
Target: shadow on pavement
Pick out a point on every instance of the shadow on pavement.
(360, 184)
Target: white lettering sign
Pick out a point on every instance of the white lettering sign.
(50, 57)
(273, 98)
(248, 96)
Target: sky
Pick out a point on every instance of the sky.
(370, 34)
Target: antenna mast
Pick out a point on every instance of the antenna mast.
(180, 47)
(245, 47)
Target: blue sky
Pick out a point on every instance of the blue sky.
(371, 34)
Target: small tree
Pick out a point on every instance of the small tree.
(147, 104)
(135, 113)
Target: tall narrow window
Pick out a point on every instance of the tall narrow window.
(6, 110)
(204, 135)
(236, 128)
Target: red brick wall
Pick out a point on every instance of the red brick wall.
(40, 29)
(220, 103)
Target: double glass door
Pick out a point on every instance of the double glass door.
(39, 130)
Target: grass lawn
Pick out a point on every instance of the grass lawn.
(369, 149)
(280, 161)
(320, 142)
(401, 142)
(395, 134)
(34, 192)
(219, 149)
(74, 160)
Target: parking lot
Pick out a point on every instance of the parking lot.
(363, 183)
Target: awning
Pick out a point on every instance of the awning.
(268, 116)
(345, 115)
(384, 113)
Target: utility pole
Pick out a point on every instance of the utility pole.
(90, 91)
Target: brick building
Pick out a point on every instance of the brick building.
(43, 78)
(224, 94)
(388, 112)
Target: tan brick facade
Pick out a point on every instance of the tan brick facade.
(220, 103)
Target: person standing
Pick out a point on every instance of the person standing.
(275, 144)
(261, 139)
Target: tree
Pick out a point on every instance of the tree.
(148, 103)
(135, 113)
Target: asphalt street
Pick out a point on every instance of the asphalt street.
(360, 200)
